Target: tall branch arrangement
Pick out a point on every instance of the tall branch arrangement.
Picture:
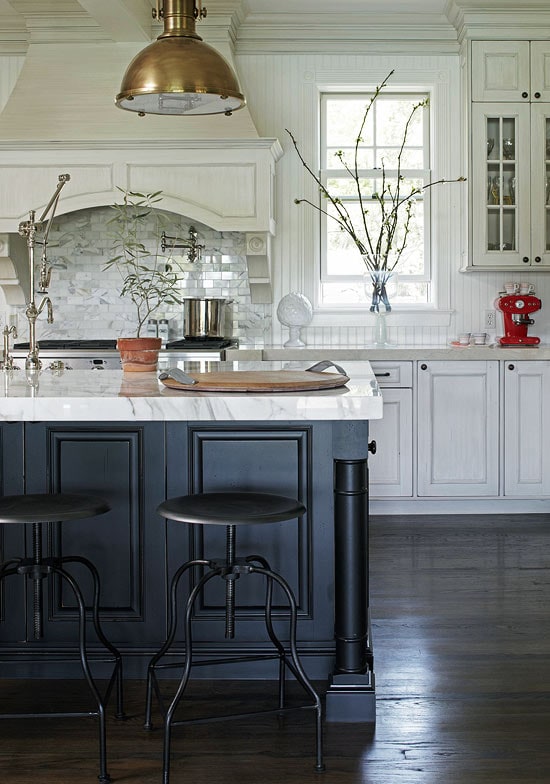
(379, 246)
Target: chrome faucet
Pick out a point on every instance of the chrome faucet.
(194, 250)
(29, 230)
(7, 359)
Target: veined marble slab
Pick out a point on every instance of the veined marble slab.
(390, 353)
(111, 395)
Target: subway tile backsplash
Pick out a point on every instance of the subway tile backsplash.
(86, 297)
(87, 303)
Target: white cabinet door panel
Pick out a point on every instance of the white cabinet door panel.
(527, 428)
(458, 437)
(390, 469)
(500, 70)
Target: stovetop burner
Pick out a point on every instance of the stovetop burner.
(195, 344)
(69, 345)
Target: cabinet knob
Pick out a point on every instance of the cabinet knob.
(423, 367)
(525, 259)
(372, 447)
(537, 95)
(538, 259)
(511, 367)
(525, 95)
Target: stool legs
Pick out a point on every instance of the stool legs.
(36, 570)
(172, 627)
(230, 571)
(295, 664)
(116, 677)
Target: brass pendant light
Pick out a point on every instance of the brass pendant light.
(178, 73)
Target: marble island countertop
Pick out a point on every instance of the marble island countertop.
(111, 395)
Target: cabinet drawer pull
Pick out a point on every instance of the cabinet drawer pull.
(511, 367)
(525, 95)
(537, 95)
(538, 259)
(372, 447)
(525, 259)
(387, 374)
(423, 367)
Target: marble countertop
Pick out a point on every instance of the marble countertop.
(111, 395)
(390, 353)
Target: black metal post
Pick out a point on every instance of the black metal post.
(351, 549)
(351, 696)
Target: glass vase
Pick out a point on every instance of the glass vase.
(380, 286)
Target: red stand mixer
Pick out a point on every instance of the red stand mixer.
(516, 310)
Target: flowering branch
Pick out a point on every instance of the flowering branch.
(395, 205)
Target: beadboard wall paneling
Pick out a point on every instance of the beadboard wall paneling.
(282, 93)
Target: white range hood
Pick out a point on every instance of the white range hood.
(58, 116)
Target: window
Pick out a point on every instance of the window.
(342, 270)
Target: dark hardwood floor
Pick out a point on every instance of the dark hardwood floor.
(461, 618)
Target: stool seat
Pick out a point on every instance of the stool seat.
(231, 508)
(47, 508)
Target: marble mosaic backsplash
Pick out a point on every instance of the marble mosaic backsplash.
(86, 297)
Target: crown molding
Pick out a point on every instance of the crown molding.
(325, 33)
(499, 19)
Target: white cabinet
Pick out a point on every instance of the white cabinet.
(458, 428)
(526, 428)
(510, 155)
(510, 71)
(391, 467)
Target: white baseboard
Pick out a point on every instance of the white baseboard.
(417, 506)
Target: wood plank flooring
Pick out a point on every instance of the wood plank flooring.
(461, 616)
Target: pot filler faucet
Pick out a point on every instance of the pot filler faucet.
(29, 230)
(194, 250)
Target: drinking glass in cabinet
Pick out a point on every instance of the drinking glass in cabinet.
(495, 190)
(512, 190)
(508, 148)
(490, 145)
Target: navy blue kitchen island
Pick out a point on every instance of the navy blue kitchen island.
(127, 438)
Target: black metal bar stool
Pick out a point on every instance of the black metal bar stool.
(231, 510)
(36, 510)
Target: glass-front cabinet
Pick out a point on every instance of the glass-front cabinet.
(511, 185)
(510, 155)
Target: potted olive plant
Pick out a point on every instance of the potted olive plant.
(148, 277)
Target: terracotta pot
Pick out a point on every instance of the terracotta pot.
(139, 354)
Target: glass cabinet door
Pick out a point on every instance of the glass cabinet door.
(501, 185)
(540, 184)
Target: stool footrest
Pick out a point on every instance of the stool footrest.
(247, 715)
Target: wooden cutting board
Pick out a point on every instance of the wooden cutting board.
(259, 381)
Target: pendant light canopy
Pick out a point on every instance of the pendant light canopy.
(178, 73)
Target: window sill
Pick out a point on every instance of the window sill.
(333, 317)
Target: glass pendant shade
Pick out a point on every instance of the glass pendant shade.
(178, 73)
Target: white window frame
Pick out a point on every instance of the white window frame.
(425, 174)
(442, 81)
